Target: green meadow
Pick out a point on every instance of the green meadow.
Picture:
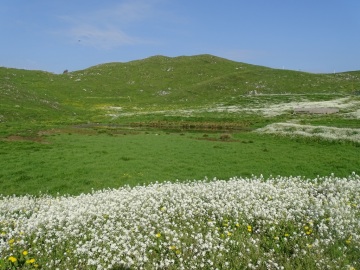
(163, 118)
(79, 160)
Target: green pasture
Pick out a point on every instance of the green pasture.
(41, 150)
(77, 160)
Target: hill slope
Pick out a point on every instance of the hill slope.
(155, 82)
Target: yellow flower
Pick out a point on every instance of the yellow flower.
(25, 253)
(229, 234)
(158, 235)
(307, 228)
(237, 225)
(12, 259)
(172, 247)
(11, 241)
(287, 235)
(348, 241)
(249, 228)
(30, 261)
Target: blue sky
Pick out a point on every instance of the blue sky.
(54, 35)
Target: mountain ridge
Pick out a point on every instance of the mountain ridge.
(159, 56)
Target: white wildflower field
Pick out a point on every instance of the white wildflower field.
(328, 133)
(252, 223)
(349, 106)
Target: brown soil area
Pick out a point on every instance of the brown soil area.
(16, 138)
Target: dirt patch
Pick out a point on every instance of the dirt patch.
(41, 135)
(215, 140)
(69, 130)
(16, 138)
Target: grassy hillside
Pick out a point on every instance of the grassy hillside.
(154, 83)
(161, 120)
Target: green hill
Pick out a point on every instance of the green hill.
(154, 83)
(163, 118)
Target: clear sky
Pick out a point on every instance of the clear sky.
(54, 35)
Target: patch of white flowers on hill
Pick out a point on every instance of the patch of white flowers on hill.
(270, 109)
(275, 223)
(349, 105)
(330, 133)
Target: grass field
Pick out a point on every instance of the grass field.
(78, 160)
(104, 168)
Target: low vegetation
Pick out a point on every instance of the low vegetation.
(78, 160)
(252, 223)
(157, 84)
(87, 156)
